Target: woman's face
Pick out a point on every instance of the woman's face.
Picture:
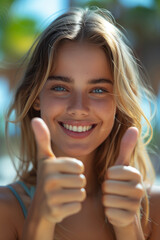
(76, 101)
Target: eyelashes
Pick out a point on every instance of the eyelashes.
(58, 89)
(97, 90)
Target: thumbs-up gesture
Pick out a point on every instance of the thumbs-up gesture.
(122, 188)
(60, 182)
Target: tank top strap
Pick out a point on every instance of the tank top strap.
(29, 190)
(19, 200)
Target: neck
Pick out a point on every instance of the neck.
(92, 186)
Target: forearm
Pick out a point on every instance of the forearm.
(132, 232)
(38, 230)
(37, 227)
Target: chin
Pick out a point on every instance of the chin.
(76, 152)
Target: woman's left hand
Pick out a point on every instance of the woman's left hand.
(123, 188)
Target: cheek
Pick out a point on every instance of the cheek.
(51, 107)
(106, 109)
(107, 113)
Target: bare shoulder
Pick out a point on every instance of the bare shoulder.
(11, 217)
(154, 205)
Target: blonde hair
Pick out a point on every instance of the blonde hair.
(98, 27)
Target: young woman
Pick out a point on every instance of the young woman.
(84, 171)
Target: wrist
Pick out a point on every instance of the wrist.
(132, 231)
(38, 230)
(37, 227)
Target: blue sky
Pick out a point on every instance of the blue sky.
(133, 3)
(36, 8)
(5, 94)
(41, 10)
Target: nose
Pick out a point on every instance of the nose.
(78, 105)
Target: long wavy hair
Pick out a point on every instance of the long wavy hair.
(96, 26)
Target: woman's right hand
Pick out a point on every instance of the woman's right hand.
(60, 181)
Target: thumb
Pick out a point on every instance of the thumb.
(127, 145)
(43, 139)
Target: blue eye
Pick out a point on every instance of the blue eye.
(59, 89)
(99, 90)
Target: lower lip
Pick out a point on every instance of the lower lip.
(77, 134)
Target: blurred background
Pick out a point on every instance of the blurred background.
(22, 20)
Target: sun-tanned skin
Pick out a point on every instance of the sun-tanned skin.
(67, 191)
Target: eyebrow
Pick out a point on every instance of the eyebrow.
(100, 80)
(70, 80)
(60, 78)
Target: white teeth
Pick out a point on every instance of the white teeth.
(74, 128)
(77, 128)
(84, 129)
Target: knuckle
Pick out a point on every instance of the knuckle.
(82, 180)
(140, 190)
(73, 163)
(82, 194)
(79, 165)
(138, 175)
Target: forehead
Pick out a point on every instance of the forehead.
(80, 50)
(82, 57)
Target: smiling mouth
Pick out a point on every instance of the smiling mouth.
(77, 129)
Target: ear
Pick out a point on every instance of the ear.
(36, 104)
